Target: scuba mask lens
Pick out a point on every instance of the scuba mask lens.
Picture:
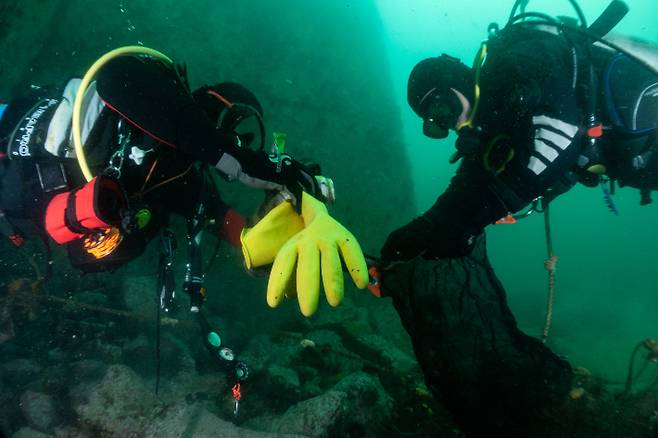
(432, 129)
(441, 114)
(248, 127)
(246, 123)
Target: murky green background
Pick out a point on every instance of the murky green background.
(332, 74)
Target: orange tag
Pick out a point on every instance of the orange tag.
(595, 131)
(374, 285)
(509, 219)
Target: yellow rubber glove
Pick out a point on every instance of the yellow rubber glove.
(262, 242)
(318, 246)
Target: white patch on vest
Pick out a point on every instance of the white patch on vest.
(536, 165)
(28, 129)
(557, 139)
(567, 129)
(545, 151)
(60, 124)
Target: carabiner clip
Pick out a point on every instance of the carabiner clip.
(116, 160)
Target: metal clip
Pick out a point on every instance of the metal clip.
(116, 160)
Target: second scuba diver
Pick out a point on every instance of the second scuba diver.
(99, 165)
(547, 105)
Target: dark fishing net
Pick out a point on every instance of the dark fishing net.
(490, 375)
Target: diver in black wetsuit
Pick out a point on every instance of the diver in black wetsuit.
(545, 110)
(151, 148)
(532, 134)
(144, 128)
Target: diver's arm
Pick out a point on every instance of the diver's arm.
(151, 96)
(536, 104)
(450, 226)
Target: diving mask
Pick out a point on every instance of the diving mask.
(441, 113)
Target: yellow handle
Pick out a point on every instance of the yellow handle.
(477, 65)
(77, 105)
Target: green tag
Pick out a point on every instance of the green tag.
(280, 141)
(214, 339)
(143, 217)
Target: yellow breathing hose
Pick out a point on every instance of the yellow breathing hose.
(86, 80)
(477, 65)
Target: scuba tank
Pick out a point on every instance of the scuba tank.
(618, 83)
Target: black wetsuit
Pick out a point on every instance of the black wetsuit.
(169, 136)
(153, 176)
(528, 141)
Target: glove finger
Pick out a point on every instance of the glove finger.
(291, 288)
(308, 278)
(332, 274)
(281, 274)
(261, 243)
(354, 259)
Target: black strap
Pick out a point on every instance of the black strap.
(70, 216)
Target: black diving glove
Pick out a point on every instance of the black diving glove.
(408, 241)
(293, 177)
(429, 239)
(299, 178)
(467, 144)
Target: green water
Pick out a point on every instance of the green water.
(332, 75)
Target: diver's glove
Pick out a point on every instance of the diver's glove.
(279, 172)
(262, 242)
(467, 144)
(297, 179)
(315, 251)
(409, 241)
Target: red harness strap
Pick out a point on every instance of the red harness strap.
(93, 207)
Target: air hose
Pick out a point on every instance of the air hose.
(86, 80)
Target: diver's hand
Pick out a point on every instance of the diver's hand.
(312, 253)
(408, 241)
(297, 178)
(262, 242)
(467, 144)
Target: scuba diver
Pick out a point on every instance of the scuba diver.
(547, 104)
(546, 109)
(101, 163)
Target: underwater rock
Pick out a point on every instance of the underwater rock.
(264, 350)
(329, 354)
(370, 403)
(87, 369)
(57, 355)
(353, 407)
(91, 297)
(138, 353)
(117, 405)
(196, 421)
(349, 316)
(26, 432)
(39, 410)
(19, 372)
(138, 292)
(316, 417)
(6, 325)
(385, 351)
(283, 380)
(190, 386)
(385, 322)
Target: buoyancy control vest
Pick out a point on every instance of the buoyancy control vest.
(41, 185)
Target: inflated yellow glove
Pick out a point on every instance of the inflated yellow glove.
(262, 242)
(318, 247)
